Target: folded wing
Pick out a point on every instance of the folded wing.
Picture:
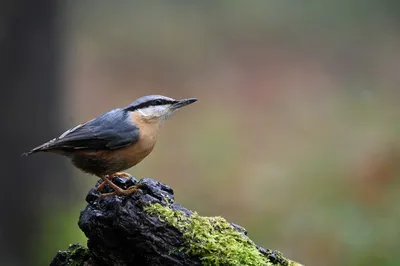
(111, 130)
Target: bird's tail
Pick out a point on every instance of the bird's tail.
(42, 147)
(35, 150)
(27, 153)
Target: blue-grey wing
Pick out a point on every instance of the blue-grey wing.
(112, 130)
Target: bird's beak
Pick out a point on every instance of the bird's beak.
(183, 102)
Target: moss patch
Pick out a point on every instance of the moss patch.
(212, 239)
(75, 255)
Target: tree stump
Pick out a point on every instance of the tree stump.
(150, 228)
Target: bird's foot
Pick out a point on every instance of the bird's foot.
(110, 177)
(120, 191)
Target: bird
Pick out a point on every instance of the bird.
(116, 140)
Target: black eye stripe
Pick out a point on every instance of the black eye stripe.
(160, 102)
(154, 102)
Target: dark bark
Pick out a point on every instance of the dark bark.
(121, 231)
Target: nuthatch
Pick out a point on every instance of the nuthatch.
(116, 140)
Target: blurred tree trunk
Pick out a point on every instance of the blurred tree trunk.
(30, 111)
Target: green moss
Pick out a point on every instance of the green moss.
(78, 254)
(212, 239)
(75, 255)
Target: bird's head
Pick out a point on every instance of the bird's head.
(157, 108)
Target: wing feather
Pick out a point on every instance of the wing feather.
(112, 130)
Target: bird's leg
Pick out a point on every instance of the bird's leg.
(112, 185)
(110, 177)
(120, 191)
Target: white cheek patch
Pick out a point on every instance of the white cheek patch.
(154, 111)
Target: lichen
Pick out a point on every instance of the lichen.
(215, 241)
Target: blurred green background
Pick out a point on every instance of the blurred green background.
(296, 132)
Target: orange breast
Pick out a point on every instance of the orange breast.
(135, 153)
(110, 161)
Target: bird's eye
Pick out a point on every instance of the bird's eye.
(158, 102)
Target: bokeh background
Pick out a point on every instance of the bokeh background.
(295, 135)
